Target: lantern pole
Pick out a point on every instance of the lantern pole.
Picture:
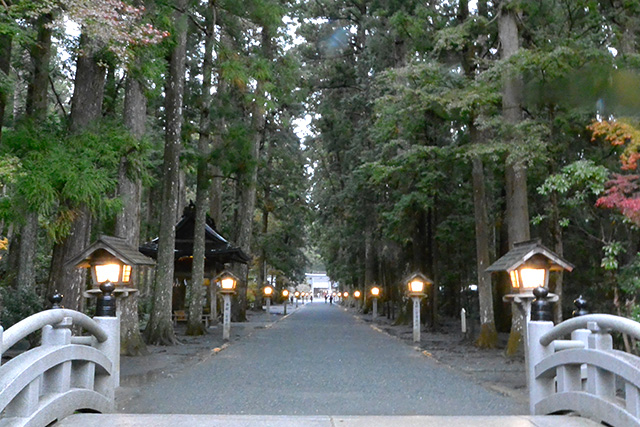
(416, 287)
(227, 288)
(226, 316)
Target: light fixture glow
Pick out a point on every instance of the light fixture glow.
(532, 277)
(416, 286)
(108, 273)
(227, 283)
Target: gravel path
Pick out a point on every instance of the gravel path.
(319, 361)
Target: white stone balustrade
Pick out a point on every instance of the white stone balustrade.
(64, 374)
(584, 375)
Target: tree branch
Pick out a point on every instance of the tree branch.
(59, 101)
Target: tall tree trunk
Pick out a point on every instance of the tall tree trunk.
(247, 185)
(37, 111)
(128, 219)
(160, 328)
(488, 337)
(247, 202)
(26, 277)
(86, 108)
(369, 264)
(88, 91)
(196, 296)
(488, 334)
(266, 208)
(517, 209)
(68, 280)
(558, 248)
(37, 99)
(216, 192)
(262, 260)
(6, 42)
(432, 221)
(516, 172)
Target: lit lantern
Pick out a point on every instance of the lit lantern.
(285, 293)
(531, 274)
(356, 294)
(113, 271)
(375, 292)
(111, 259)
(346, 294)
(267, 291)
(227, 282)
(417, 283)
(529, 264)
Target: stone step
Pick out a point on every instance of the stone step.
(180, 420)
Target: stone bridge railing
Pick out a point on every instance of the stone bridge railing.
(64, 374)
(584, 374)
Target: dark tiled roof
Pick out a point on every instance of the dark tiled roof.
(217, 248)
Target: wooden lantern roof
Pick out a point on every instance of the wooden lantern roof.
(114, 246)
(523, 251)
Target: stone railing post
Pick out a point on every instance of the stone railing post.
(57, 379)
(539, 324)
(600, 382)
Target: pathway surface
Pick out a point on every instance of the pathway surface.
(319, 361)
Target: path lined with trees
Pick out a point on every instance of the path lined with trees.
(438, 134)
(320, 361)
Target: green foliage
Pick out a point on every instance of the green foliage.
(629, 277)
(55, 174)
(611, 253)
(582, 178)
(18, 304)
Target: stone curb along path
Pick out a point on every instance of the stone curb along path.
(167, 361)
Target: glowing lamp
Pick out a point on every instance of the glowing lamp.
(111, 259)
(417, 284)
(114, 272)
(356, 294)
(267, 291)
(227, 282)
(530, 275)
(528, 265)
(375, 292)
